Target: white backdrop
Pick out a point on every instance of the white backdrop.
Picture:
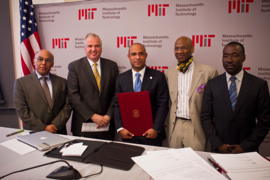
(157, 24)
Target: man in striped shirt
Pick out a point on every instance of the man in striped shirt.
(186, 83)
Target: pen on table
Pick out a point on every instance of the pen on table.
(14, 133)
(211, 161)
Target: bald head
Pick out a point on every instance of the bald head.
(183, 49)
(44, 61)
(135, 44)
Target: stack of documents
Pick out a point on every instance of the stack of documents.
(76, 149)
(244, 166)
(177, 164)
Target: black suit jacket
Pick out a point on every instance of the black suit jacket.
(238, 126)
(32, 107)
(158, 91)
(84, 95)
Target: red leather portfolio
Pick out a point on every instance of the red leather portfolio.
(136, 113)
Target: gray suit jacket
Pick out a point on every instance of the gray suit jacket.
(201, 75)
(84, 95)
(32, 107)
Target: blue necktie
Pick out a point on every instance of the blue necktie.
(233, 92)
(138, 83)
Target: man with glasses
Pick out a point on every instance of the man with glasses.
(41, 99)
(186, 84)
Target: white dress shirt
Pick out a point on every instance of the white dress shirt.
(98, 66)
(184, 83)
(238, 80)
(48, 81)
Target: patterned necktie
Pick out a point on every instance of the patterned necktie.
(138, 83)
(233, 92)
(97, 76)
(46, 90)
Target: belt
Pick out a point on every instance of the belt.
(183, 118)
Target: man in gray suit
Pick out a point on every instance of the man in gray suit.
(40, 98)
(91, 86)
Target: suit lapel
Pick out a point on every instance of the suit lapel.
(36, 84)
(104, 74)
(197, 74)
(147, 79)
(129, 81)
(54, 88)
(89, 72)
(245, 86)
(223, 87)
(173, 77)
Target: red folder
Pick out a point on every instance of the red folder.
(136, 113)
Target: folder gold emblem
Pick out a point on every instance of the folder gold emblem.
(136, 113)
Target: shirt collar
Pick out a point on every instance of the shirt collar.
(39, 76)
(238, 76)
(91, 62)
(141, 72)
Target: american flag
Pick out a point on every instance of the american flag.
(30, 42)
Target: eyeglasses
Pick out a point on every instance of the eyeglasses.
(182, 48)
(40, 59)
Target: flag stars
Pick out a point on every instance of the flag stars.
(23, 26)
(35, 24)
(31, 13)
(30, 21)
(32, 6)
(29, 29)
(25, 10)
(24, 18)
(26, 2)
(22, 34)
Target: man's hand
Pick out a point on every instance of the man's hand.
(98, 120)
(151, 133)
(125, 134)
(235, 149)
(51, 128)
(224, 149)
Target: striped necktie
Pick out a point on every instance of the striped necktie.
(233, 92)
(46, 90)
(97, 76)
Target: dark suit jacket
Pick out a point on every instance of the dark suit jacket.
(238, 126)
(158, 91)
(32, 107)
(84, 95)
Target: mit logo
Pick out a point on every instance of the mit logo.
(60, 42)
(159, 68)
(246, 68)
(158, 9)
(87, 13)
(126, 41)
(204, 40)
(239, 4)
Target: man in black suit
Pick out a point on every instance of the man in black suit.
(152, 81)
(91, 84)
(231, 104)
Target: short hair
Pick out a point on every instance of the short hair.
(52, 56)
(92, 35)
(237, 43)
(139, 44)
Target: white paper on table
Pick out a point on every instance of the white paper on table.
(74, 150)
(65, 147)
(244, 166)
(18, 147)
(166, 162)
(92, 127)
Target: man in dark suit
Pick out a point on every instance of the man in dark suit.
(91, 84)
(152, 81)
(231, 104)
(41, 99)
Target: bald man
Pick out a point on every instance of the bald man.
(41, 99)
(186, 84)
